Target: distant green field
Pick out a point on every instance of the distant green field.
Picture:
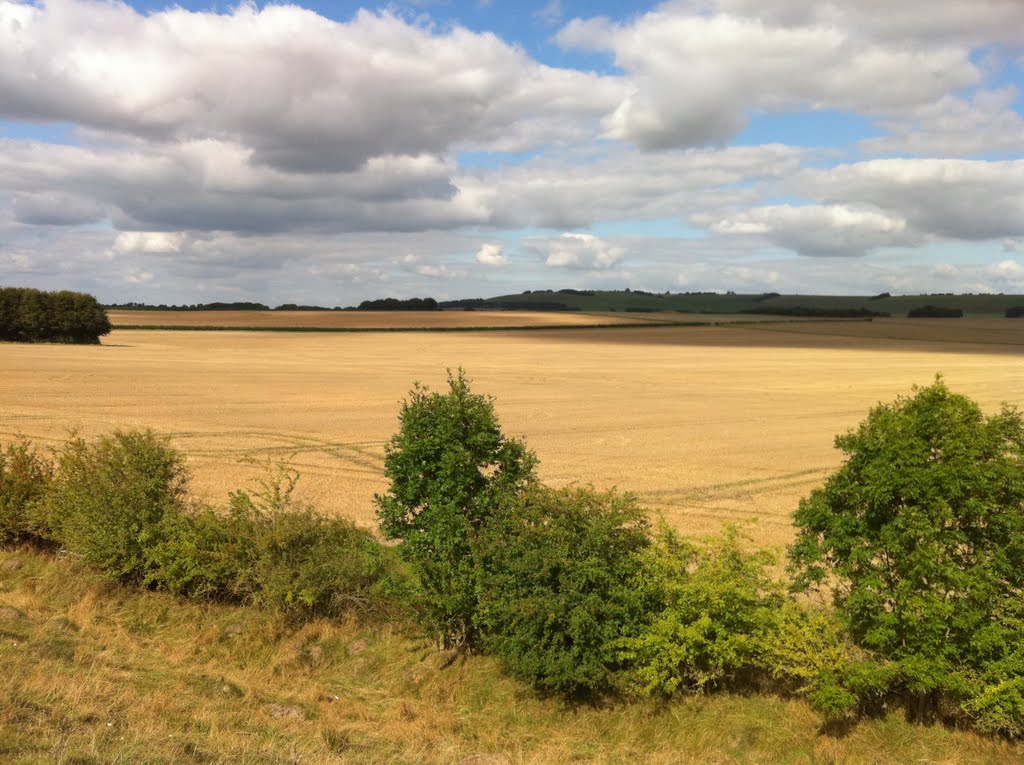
(898, 305)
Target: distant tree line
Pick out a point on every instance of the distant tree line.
(394, 304)
(471, 304)
(935, 312)
(817, 311)
(240, 306)
(34, 316)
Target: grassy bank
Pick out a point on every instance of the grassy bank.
(99, 673)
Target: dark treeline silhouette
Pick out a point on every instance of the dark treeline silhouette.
(394, 304)
(241, 306)
(816, 311)
(509, 305)
(33, 316)
(935, 312)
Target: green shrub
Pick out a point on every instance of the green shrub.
(999, 708)
(202, 554)
(25, 477)
(808, 651)
(920, 538)
(272, 551)
(110, 498)
(309, 565)
(449, 467)
(717, 601)
(557, 571)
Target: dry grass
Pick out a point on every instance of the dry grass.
(94, 673)
(705, 423)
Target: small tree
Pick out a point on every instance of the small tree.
(920, 537)
(449, 467)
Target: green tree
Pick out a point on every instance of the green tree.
(920, 537)
(449, 466)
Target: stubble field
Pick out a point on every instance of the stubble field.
(706, 424)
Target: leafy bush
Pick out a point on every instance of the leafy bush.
(920, 538)
(716, 603)
(273, 551)
(557, 575)
(808, 651)
(449, 467)
(1000, 708)
(109, 499)
(25, 477)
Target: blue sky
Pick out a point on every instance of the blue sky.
(330, 152)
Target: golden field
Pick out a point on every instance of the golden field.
(706, 424)
(364, 319)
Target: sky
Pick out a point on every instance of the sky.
(333, 152)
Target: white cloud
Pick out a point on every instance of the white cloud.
(952, 198)
(954, 126)
(551, 13)
(1007, 269)
(491, 255)
(298, 91)
(821, 230)
(148, 241)
(696, 76)
(958, 21)
(572, 250)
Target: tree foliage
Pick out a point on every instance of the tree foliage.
(30, 316)
(920, 538)
(449, 466)
(557, 585)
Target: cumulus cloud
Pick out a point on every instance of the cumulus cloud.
(956, 127)
(491, 255)
(697, 76)
(148, 242)
(572, 250)
(821, 230)
(953, 198)
(299, 91)
(957, 21)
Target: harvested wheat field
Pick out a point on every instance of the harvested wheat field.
(706, 424)
(356, 320)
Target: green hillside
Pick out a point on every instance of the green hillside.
(707, 302)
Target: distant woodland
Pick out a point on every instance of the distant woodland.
(33, 316)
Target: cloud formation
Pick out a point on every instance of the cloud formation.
(219, 153)
(696, 77)
(300, 92)
(573, 250)
(491, 255)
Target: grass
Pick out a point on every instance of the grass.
(96, 673)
